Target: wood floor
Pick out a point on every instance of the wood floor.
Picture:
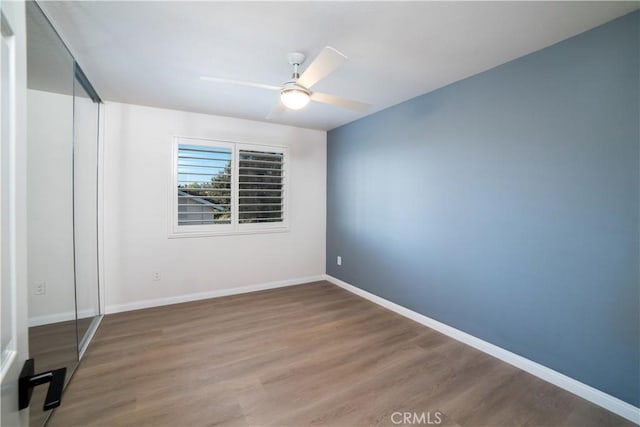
(304, 355)
(53, 346)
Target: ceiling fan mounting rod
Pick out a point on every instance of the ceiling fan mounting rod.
(295, 59)
(296, 74)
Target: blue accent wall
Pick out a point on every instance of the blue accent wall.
(507, 205)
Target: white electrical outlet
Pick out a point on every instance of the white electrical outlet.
(339, 260)
(40, 288)
(155, 276)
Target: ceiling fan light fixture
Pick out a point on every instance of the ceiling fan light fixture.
(295, 94)
(294, 98)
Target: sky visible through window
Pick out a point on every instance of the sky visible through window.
(197, 164)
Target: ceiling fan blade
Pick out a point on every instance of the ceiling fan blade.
(324, 64)
(276, 111)
(240, 83)
(360, 107)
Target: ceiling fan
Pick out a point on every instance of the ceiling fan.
(296, 93)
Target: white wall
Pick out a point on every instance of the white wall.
(137, 169)
(49, 206)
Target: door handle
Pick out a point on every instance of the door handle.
(28, 381)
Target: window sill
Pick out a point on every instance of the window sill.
(186, 234)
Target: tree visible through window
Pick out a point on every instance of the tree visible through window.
(260, 183)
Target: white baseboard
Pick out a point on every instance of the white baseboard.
(585, 391)
(59, 317)
(136, 305)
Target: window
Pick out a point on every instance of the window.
(224, 187)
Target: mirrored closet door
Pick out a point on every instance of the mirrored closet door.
(63, 122)
(86, 122)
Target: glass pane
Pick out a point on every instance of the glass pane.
(204, 185)
(261, 186)
(52, 312)
(85, 176)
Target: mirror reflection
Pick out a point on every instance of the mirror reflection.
(86, 126)
(62, 183)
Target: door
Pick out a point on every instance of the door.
(86, 110)
(13, 297)
(53, 341)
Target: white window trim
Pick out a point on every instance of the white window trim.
(180, 231)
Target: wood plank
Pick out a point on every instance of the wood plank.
(304, 355)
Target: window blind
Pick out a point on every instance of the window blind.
(260, 186)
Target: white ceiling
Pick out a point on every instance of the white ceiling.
(153, 53)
